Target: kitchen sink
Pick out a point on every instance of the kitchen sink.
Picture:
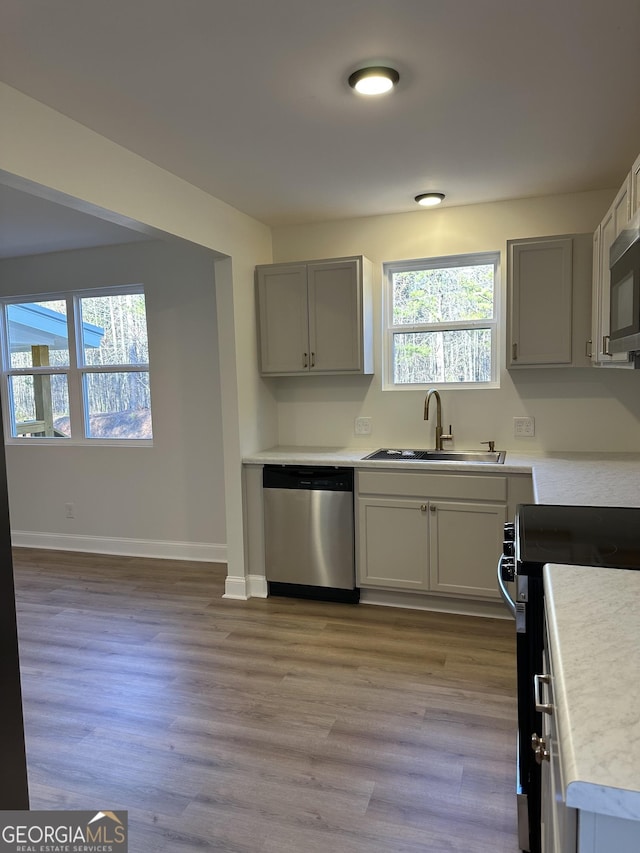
(392, 455)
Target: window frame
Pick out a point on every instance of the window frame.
(75, 371)
(389, 329)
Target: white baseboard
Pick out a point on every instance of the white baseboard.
(198, 551)
(440, 604)
(235, 587)
(242, 589)
(257, 586)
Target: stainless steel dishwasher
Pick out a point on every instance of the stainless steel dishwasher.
(309, 532)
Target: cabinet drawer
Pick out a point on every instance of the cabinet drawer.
(421, 484)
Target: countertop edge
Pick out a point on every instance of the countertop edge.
(352, 458)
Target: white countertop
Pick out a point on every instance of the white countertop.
(594, 632)
(586, 479)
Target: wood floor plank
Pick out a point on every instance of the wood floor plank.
(266, 726)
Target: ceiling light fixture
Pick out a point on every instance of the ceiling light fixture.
(429, 199)
(374, 81)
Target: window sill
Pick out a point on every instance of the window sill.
(68, 442)
(444, 386)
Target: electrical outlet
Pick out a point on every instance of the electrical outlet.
(69, 511)
(363, 426)
(524, 427)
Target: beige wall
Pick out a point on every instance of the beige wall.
(580, 409)
(44, 152)
(170, 494)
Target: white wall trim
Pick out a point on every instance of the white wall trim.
(236, 587)
(253, 586)
(199, 551)
(257, 586)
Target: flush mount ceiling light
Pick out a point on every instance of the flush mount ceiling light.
(429, 199)
(374, 81)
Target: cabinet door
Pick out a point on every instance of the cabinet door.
(559, 821)
(596, 322)
(335, 316)
(615, 220)
(283, 317)
(635, 187)
(466, 542)
(393, 539)
(541, 287)
(621, 207)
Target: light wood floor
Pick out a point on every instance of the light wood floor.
(275, 726)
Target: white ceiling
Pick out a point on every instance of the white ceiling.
(30, 225)
(248, 99)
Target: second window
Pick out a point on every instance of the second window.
(441, 323)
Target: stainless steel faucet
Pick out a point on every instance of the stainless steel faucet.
(440, 435)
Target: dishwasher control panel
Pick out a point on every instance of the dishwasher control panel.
(307, 477)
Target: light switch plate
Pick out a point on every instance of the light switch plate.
(524, 427)
(363, 426)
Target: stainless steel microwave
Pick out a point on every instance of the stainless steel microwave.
(624, 263)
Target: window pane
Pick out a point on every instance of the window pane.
(114, 329)
(38, 334)
(118, 405)
(40, 406)
(443, 295)
(454, 356)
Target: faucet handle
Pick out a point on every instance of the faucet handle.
(449, 437)
(492, 445)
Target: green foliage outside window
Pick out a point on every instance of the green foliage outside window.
(111, 361)
(448, 315)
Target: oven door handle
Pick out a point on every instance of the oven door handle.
(504, 592)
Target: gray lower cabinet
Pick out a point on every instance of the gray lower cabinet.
(393, 540)
(315, 317)
(466, 541)
(549, 292)
(438, 533)
(565, 829)
(558, 828)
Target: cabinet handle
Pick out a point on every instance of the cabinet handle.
(423, 507)
(514, 352)
(588, 350)
(605, 345)
(313, 359)
(538, 681)
(432, 508)
(305, 363)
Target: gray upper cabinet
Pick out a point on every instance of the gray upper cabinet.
(613, 223)
(635, 186)
(283, 316)
(315, 317)
(549, 292)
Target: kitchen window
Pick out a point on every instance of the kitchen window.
(76, 367)
(441, 323)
